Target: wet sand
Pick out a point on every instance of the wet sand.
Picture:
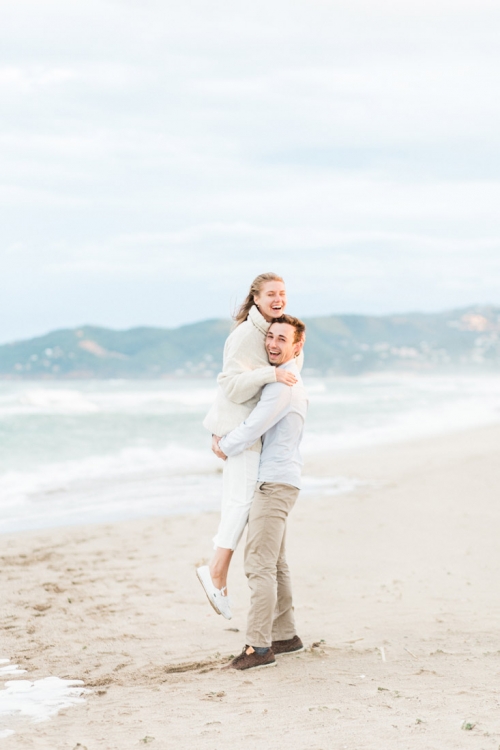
(397, 600)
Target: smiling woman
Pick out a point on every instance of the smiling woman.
(268, 294)
(246, 370)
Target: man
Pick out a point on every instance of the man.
(279, 419)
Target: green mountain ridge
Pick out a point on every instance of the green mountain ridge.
(466, 339)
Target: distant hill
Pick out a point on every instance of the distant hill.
(467, 339)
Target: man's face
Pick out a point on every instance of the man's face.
(280, 344)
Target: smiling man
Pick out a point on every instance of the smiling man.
(279, 419)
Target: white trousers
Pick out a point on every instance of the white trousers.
(239, 479)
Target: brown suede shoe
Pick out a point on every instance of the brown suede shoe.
(250, 659)
(292, 645)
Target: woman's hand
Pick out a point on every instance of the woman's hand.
(216, 449)
(286, 377)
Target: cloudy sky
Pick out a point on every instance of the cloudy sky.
(156, 156)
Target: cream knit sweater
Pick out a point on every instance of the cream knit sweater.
(245, 371)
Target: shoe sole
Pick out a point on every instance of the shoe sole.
(257, 666)
(207, 594)
(260, 666)
(287, 653)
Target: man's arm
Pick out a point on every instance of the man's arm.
(272, 406)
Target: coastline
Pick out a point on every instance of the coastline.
(117, 451)
(395, 582)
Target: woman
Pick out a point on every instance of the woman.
(246, 370)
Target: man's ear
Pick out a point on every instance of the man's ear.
(299, 346)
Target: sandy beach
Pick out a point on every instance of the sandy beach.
(397, 600)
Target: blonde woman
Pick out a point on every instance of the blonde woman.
(246, 370)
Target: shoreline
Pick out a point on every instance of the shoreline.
(396, 600)
(427, 369)
(348, 458)
(106, 446)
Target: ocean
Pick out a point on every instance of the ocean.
(99, 451)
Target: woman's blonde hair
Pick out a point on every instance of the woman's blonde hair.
(255, 288)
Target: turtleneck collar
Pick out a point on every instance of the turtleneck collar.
(258, 319)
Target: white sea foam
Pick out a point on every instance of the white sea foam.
(198, 397)
(59, 401)
(407, 425)
(316, 387)
(138, 497)
(94, 450)
(330, 485)
(133, 483)
(54, 399)
(114, 500)
(53, 477)
(10, 669)
(36, 700)
(40, 699)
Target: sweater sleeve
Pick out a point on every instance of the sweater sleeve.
(240, 384)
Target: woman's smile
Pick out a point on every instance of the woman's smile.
(271, 300)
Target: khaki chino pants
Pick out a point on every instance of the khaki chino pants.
(271, 607)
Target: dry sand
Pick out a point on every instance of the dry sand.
(397, 599)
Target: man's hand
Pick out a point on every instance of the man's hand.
(216, 449)
(284, 376)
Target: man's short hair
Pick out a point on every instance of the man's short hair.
(300, 327)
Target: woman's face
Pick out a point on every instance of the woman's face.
(271, 300)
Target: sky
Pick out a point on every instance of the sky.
(156, 156)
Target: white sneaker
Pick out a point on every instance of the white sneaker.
(216, 597)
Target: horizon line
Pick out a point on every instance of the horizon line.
(11, 342)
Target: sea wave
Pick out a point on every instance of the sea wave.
(131, 484)
(403, 426)
(127, 449)
(50, 401)
(57, 476)
(53, 400)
